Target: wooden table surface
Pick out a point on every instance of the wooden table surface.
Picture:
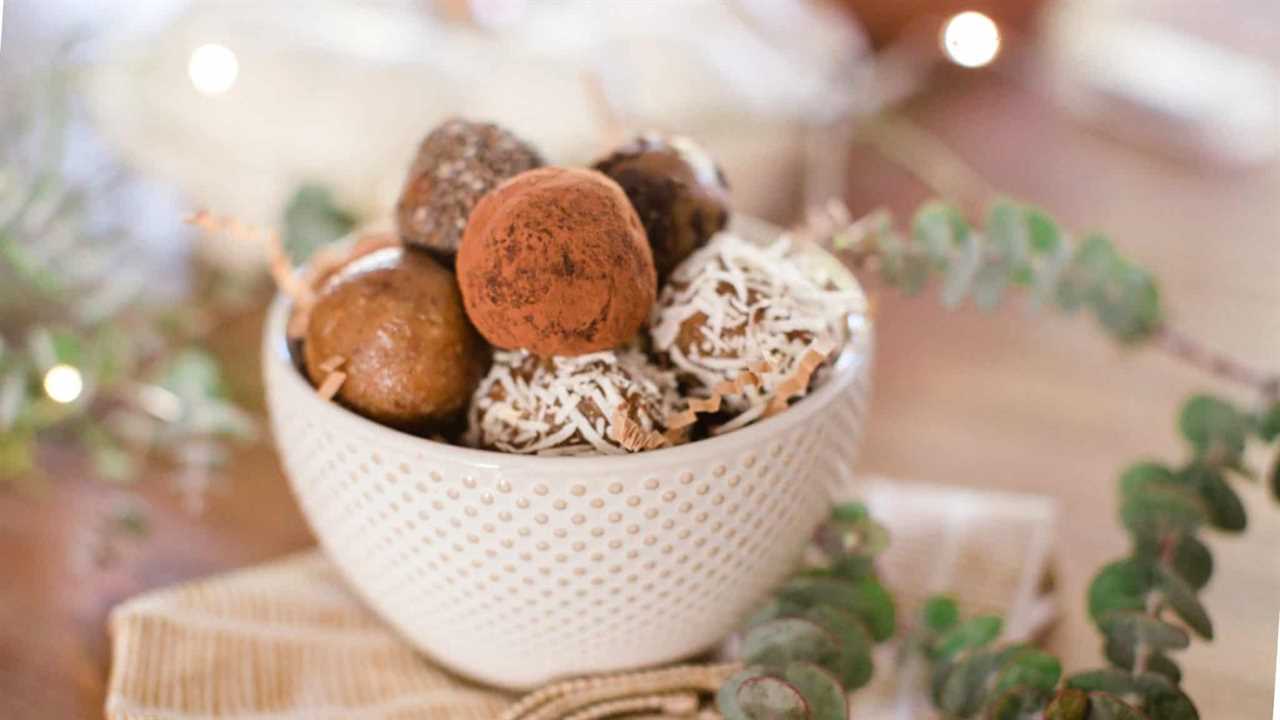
(1033, 404)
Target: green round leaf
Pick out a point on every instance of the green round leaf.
(820, 690)
(1182, 599)
(940, 613)
(850, 512)
(1226, 511)
(727, 695)
(1214, 427)
(778, 642)
(1068, 704)
(1269, 424)
(1019, 704)
(1192, 561)
(1108, 680)
(939, 228)
(1164, 665)
(1105, 706)
(1030, 668)
(765, 697)
(1170, 704)
(1138, 627)
(852, 662)
(866, 598)
(1121, 585)
(973, 633)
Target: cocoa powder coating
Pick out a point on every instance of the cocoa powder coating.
(394, 322)
(555, 261)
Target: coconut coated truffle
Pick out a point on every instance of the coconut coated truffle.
(457, 163)
(746, 322)
(392, 321)
(606, 403)
(555, 261)
(679, 192)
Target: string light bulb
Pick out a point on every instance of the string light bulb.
(971, 39)
(63, 383)
(213, 69)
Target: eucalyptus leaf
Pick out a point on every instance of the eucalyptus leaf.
(1068, 704)
(765, 697)
(1105, 706)
(1142, 628)
(727, 695)
(1044, 236)
(965, 689)
(1116, 682)
(865, 598)
(777, 642)
(970, 634)
(850, 512)
(821, 691)
(961, 272)
(1269, 424)
(1192, 561)
(1226, 511)
(1120, 585)
(939, 228)
(1154, 507)
(1170, 704)
(1029, 668)
(1214, 427)
(1121, 649)
(940, 613)
(1018, 704)
(313, 219)
(1183, 601)
(1164, 665)
(851, 661)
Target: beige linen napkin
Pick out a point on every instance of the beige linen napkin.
(288, 639)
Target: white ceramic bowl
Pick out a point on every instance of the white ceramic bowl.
(515, 570)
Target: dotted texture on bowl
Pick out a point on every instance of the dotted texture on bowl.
(515, 580)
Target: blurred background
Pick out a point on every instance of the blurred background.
(132, 447)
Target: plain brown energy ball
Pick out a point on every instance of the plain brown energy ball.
(395, 321)
(677, 189)
(457, 163)
(555, 261)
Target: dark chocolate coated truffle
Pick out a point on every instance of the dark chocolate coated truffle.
(394, 322)
(457, 163)
(555, 261)
(677, 189)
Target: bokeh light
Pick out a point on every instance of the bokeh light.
(971, 39)
(213, 69)
(63, 383)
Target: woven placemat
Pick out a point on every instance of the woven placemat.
(289, 640)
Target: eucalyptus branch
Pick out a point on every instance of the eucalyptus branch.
(1146, 604)
(806, 649)
(923, 155)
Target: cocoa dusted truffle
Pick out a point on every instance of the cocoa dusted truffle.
(677, 189)
(555, 261)
(607, 403)
(391, 322)
(457, 163)
(745, 327)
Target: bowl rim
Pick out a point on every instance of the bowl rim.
(852, 361)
